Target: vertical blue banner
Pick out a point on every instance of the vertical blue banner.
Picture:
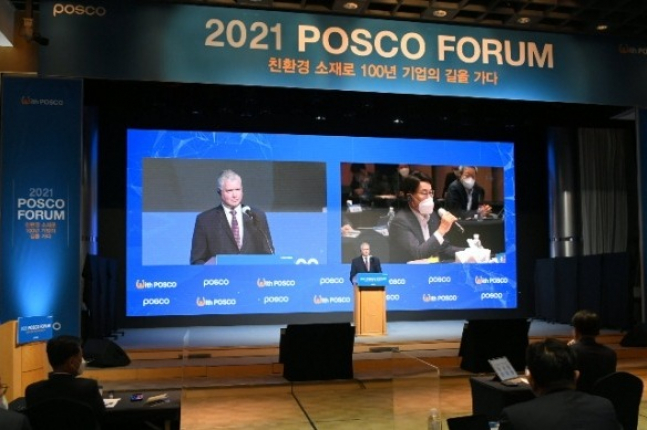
(41, 191)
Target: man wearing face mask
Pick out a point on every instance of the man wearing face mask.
(465, 197)
(65, 355)
(417, 232)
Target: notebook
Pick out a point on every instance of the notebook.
(505, 372)
(469, 422)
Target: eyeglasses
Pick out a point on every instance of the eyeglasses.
(426, 193)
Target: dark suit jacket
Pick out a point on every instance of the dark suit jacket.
(212, 235)
(357, 266)
(563, 410)
(10, 420)
(407, 243)
(456, 200)
(63, 385)
(594, 361)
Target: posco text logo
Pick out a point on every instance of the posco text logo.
(491, 296)
(321, 300)
(142, 284)
(397, 281)
(437, 279)
(158, 301)
(202, 301)
(393, 297)
(275, 299)
(427, 298)
(26, 100)
(78, 9)
(215, 282)
(481, 280)
(264, 283)
(323, 281)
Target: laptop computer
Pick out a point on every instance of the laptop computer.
(469, 422)
(505, 372)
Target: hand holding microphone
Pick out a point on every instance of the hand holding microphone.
(447, 220)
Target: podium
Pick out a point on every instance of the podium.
(370, 304)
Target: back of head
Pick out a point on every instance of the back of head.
(586, 323)
(551, 364)
(61, 348)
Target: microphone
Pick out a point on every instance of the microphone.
(248, 211)
(442, 213)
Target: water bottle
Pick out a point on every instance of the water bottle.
(433, 420)
(390, 216)
(477, 241)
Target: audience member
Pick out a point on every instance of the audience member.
(594, 360)
(10, 420)
(65, 355)
(451, 177)
(551, 373)
(417, 232)
(464, 197)
(361, 184)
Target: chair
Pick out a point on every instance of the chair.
(625, 392)
(469, 422)
(61, 413)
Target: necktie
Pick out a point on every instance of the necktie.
(366, 264)
(235, 229)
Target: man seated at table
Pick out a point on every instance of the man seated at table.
(464, 197)
(594, 360)
(65, 355)
(558, 405)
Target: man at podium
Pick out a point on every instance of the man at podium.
(365, 263)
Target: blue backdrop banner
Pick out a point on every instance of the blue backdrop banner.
(206, 44)
(41, 193)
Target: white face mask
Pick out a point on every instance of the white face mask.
(3, 403)
(426, 207)
(404, 172)
(468, 183)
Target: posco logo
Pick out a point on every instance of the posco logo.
(202, 301)
(437, 279)
(308, 261)
(481, 280)
(321, 300)
(141, 284)
(26, 100)
(393, 297)
(323, 281)
(215, 282)
(156, 301)
(491, 296)
(264, 283)
(78, 9)
(275, 299)
(397, 281)
(442, 298)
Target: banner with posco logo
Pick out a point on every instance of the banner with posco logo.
(41, 193)
(207, 44)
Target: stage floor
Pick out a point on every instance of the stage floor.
(401, 332)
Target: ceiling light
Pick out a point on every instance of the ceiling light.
(351, 5)
(440, 13)
(523, 20)
(602, 27)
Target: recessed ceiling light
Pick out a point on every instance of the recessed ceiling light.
(351, 5)
(440, 13)
(523, 20)
(602, 27)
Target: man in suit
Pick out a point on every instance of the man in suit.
(66, 358)
(10, 420)
(417, 232)
(231, 227)
(594, 360)
(558, 405)
(464, 197)
(365, 263)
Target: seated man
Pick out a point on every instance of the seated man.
(558, 405)
(66, 358)
(10, 420)
(594, 360)
(464, 197)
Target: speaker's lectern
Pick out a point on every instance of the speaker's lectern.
(370, 304)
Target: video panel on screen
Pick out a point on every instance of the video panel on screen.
(305, 204)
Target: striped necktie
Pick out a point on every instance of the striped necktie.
(235, 229)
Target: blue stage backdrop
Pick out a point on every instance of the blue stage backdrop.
(41, 193)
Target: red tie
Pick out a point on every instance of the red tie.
(235, 229)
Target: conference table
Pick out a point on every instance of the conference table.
(490, 397)
(143, 414)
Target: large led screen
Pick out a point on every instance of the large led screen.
(308, 203)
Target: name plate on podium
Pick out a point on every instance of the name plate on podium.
(372, 279)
